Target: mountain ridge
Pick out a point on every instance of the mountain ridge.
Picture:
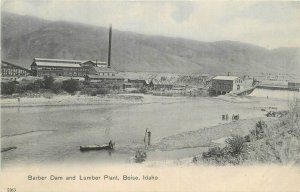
(27, 37)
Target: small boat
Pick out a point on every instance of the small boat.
(109, 146)
(8, 149)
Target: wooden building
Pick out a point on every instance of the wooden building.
(106, 79)
(62, 67)
(294, 86)
(160, 85)
(102, 71)
(138, 83)
(12, 70)
(57, 67)
(225, 84)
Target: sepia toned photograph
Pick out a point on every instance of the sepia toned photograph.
(150, 85)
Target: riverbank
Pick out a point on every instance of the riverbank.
(65, 100)
(210, 136)
(193, 143)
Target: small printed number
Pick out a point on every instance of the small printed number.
(11, 189)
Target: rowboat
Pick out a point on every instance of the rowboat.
(96, 147)
(8, 149)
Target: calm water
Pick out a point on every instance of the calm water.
(46, 135)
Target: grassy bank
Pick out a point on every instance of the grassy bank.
(276, 141)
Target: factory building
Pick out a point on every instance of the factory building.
(62, 67)
(12, 70)
(225, 84)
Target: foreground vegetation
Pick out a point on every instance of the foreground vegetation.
(264, 144)
(48, 84)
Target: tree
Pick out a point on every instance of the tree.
(8, 88)
(70, 86)
(102, 91)
(48, 81)
(35, 86)
(56, 87)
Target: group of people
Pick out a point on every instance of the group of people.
(234, 117)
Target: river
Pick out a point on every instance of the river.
(53, 134)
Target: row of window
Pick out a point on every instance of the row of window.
(59, 69)
(223, 87)
(72, 74)
(107, 74)
(107, 80)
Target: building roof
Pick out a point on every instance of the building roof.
(96, 62)
(159, 82)
(61, 62)
(137, 80)
(17, 66)
(104, 69)
(104, 77)
(229, 78)
(56, 64)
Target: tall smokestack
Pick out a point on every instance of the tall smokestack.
(109, 47)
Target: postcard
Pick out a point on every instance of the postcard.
(150, 95)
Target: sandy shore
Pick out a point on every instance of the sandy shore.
(211, 135)
(200, 141)
(63, 100)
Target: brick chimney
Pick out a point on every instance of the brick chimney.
(109, 47)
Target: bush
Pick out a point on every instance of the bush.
(116, 87)
(233, 153)
(8, 88)
(258, 133)
(140, 156)
(214, 154)
(48, 82)
(86, 91)
(86, 83)
(56, 87)
(94, 93)
(236, 145)
(35, 86)
(21, 88)
(70, 86)
(102, 91)
(143, 90)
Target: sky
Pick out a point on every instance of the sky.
(267, 24)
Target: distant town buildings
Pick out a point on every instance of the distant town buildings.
(108, 79)
(161, 84)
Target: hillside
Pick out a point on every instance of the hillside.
(24, 38)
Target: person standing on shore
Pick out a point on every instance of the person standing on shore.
(145, 137)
